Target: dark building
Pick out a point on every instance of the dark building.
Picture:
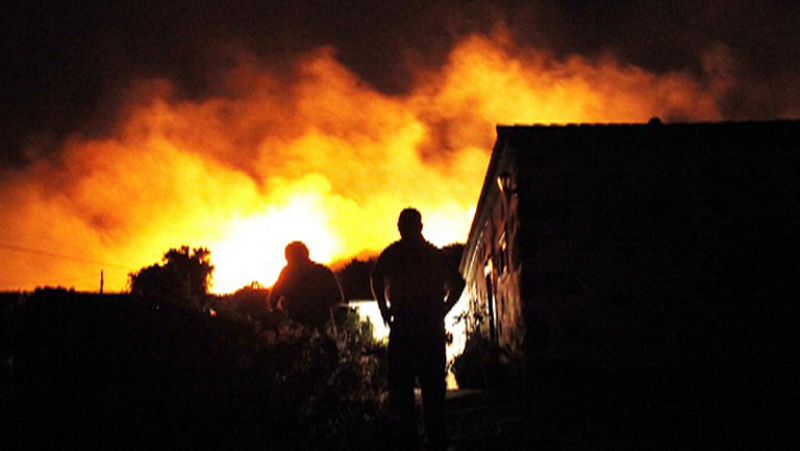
(646, 245)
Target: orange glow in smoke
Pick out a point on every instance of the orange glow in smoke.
(322, 158)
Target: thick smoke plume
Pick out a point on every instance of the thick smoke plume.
(312, 153)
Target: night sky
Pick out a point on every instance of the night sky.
(68, 65)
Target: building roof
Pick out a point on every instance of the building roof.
(751, 139)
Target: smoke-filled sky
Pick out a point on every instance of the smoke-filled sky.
(131, 127)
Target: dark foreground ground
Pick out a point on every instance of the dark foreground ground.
(119, 375)
(650, 413)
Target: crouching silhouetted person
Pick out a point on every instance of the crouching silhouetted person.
(420, 287)
(306, 290)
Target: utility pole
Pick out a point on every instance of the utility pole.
(101, 281)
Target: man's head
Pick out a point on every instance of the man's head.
(296, 253)
(410, 223)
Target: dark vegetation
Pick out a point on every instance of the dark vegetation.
(172, 367)
(354, 278)
(182, 279)
(483, 364)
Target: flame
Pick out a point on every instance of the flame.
(250, 246)
(316, 155)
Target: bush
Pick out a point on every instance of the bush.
(182, 278)
(176, 377)
(323, 388)
(483, 364)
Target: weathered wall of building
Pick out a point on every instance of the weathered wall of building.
(493, 266)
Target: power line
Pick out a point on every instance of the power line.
(28, 250)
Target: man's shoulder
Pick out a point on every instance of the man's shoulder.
(319, 268)
(415, 247)
(432, 247)
(391, 250)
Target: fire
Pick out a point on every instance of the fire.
(251, 247)
(317, 156)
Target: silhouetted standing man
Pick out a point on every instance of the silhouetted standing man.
(421, 288)
(305, 290)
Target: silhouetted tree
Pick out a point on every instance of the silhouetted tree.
(452, 253)
(182, 278)
(251, 299)
(354, 279)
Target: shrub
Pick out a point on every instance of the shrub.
(177, 377)
(483, 364)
